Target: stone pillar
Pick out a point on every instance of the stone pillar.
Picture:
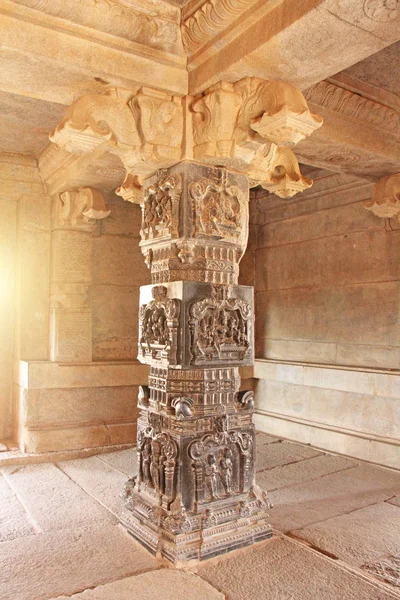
(75, 214)
(195, 494)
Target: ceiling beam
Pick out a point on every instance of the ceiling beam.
(298, 42)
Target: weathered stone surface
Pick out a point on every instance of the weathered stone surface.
(307, 503)
(281, 569)
(68, 561)
(52, 499)
(302, 471)
(395, 501)
(166, 584)
(282, 453)
(386, 569)
(115, 330)
(98, 479)
(124, 461)
(80, 406)
(361, 536)
(14, 521)
(264, 438)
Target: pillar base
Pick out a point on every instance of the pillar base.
(228, 525)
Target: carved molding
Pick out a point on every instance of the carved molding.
(348, 103)
(211, 18)
(385, 201)
(118, 19)
(80, 208)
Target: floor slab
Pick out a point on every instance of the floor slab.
(124, 461)
(358, 537)
(270, 456)
(98, 479)
(167, 584)
(302, 471)
(68, 562)
(300, 505)
(52, 500)
(284, 570)
(14, 520)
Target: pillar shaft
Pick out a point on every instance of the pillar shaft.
(195, 496)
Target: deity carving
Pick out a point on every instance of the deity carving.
(158, 326)
(160, 209)
(219, 328)
(220, 465)
(157, 463)
(219, 209)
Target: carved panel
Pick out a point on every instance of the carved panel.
(158, 328)
(160, 209)
(220, 328)
(220, 210)
(221, 465)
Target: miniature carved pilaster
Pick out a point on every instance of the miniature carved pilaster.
(385, 201)
(75, 214)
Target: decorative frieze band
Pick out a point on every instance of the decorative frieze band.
(158, 30)
(207, 21)
(338, 99)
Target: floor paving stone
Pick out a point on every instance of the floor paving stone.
(263, 438)
(14, 520)
(395, 501)
(358, 537)
(386, 569)
(99, 479)
(123, 460)
(283, 570)
(52, 499)
(282, 453)
(300, 505)
(302, 471)
(166, 584)
(65, 563)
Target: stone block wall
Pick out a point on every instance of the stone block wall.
(118, 271)
(327, 279)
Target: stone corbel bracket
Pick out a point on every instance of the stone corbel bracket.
(143, 127)
(248, 126)
(385, 201)
(80, 209)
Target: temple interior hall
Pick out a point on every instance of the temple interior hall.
(200, 299)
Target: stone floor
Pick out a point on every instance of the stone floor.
(337, 525)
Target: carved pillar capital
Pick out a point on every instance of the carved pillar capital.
(247, 126)
(385, 201)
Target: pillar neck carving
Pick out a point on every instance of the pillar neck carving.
(385, 201)
(248, 126)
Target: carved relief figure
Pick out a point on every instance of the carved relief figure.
(160, 209)
(219, 328)
(211, 474)
(157, 453)
(221, 464)
(219, 209)
(158, 324)
(226, 470)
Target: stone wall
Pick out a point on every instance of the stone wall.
(62, 403)
(118, 271)
(327, 293)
